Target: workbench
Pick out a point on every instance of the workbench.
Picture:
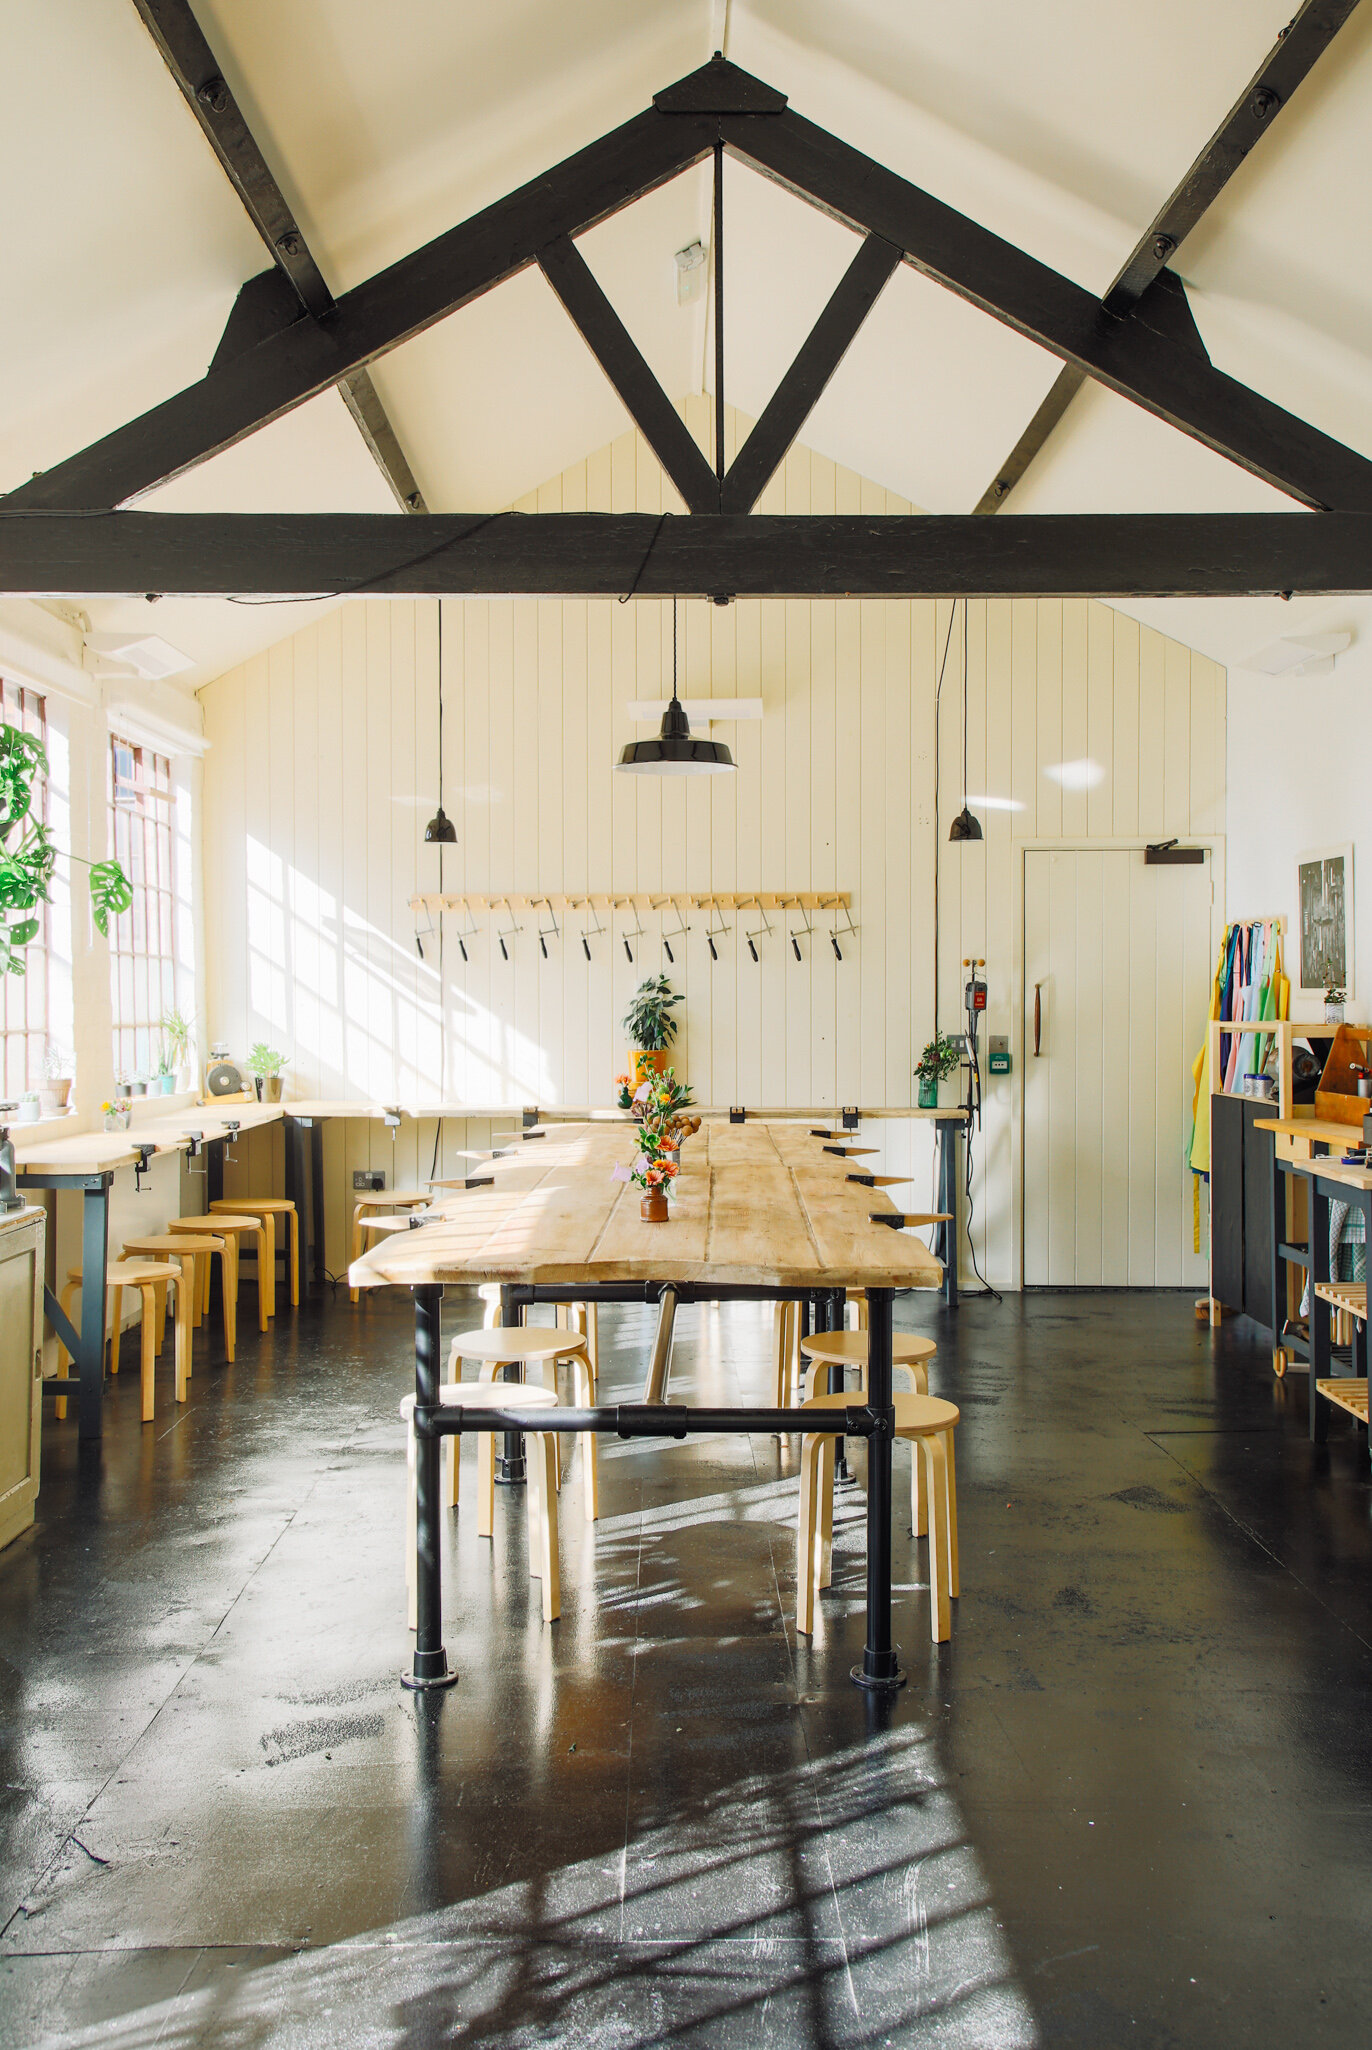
(86, 1163)
(761, 1211)
(1298, 1146)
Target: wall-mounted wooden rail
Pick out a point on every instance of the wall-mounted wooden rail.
(656, 900)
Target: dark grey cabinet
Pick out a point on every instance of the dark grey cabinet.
(1241, 1206)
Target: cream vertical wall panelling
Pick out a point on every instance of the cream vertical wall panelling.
(310, 862)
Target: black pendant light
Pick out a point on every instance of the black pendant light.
(675, 752)
(966, 826)
(440, 831)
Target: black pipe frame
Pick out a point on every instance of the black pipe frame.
(874, 1420)
(645, 1420)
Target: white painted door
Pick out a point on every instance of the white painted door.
(1121, 956)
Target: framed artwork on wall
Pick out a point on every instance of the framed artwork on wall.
(1324, 894)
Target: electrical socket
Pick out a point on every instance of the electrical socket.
(369, 1181)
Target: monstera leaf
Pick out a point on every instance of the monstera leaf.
(28, 855)
(111, 893)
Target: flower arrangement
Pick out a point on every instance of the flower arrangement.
(625, 1086)
(657, 1103)
(117, 1112)
(938, 1059)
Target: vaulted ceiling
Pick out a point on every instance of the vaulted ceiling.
(1061, 126)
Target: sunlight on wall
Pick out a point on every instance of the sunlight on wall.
(363, 1014)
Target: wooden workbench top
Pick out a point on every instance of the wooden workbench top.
(1321, 1129)
(84, 1153)
(758, 1205)
(580, 1114)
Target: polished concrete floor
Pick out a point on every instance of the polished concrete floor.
(1129, 1803)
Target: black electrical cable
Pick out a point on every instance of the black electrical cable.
(938, 693)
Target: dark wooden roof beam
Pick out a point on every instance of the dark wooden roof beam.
(188, 56)
(1297, 48)
(65, 555)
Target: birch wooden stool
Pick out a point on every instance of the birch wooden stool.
(542, 1493)
(269, 1208)
(149, 1277)
(521, 1347)
(384, 1199)
(232, 1226)
(845, 1349)
(188, 1249)
(928, 1423)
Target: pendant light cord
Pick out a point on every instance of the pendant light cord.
(674, 644)
(964, 705)
(719, 319)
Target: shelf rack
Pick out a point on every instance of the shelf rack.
(639, 900)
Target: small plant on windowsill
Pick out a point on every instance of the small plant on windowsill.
(265, 1065)
(58, 1069)
(939, 1058)
(176, 1043)
(29, 855)
(1334, 1001)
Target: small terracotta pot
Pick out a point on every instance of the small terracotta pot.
(653, 1208)
(650, 1062)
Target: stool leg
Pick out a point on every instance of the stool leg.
(356, 1245)
(205, 1285)
(117, 1318)
(148, 1334)
(951, 1519)
(779, 1356)
(919, 1506)
(184, 1284)
(544, 1463)
(228, 1268)
(825, 1574)
(161, 1316)
(583, 1381)
(805, 1537)
(269, 1233)
(265, 1266)
(936, 1474)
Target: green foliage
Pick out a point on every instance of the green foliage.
(648, 1020)
(265, 1060)
(939, 1058)
(28, 855)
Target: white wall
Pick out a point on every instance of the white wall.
(1298, 780)
(323, 771)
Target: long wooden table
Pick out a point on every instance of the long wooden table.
(762, 1211)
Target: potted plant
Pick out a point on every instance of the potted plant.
(117, 1113)
(57, 1076)
(176, 1041)
(29, 1110)
(166, 1073)
(1334, 1003)
(939, 1058)
(650, 1025)
(265, 1065)
(138, 1086)
(624, 1087)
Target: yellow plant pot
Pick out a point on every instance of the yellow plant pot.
(650, 1063)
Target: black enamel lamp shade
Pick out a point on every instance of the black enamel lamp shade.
(676, 751)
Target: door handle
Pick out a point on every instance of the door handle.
(1038, 1019)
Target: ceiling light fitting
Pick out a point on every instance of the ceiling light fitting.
(676, 751)
(440, 831)
(965, 826)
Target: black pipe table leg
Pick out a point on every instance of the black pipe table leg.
(879, 1667)
(430, 1659)
(95, 1235)
(1319, 1270)
(511, 1466)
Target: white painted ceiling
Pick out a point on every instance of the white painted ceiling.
(1061, 126)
